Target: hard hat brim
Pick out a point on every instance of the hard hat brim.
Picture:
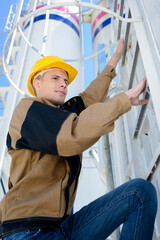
(72, 73)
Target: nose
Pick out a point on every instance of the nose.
(63, 83)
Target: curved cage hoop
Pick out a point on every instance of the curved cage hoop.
(48, 7)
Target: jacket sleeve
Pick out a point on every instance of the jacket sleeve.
(40, 127)
(98, 89)
(79, 133)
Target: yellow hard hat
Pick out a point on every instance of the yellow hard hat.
(50, 62)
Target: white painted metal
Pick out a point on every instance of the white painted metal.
(7, 113)
(137, 156)
(129, 156)
(151, 66)
(142, 151)
(91, 186)
(75, 3)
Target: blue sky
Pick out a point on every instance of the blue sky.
(5, 6)
(88, 74)
(4, 11)
(88, 64)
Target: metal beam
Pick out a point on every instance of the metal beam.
(120, 22)
(3, 188)
(151, 67)
(126, 39)
(115, 6)
(141, 116)
(154, 170)
(134, 66)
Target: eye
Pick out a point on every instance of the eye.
(66, 81)
(55, 78)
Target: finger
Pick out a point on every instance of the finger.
(142, 83)
(129, 46)
(144, 101)
(121, 42)
(144, 79)
(143, 89)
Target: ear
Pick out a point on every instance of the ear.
(36, 84)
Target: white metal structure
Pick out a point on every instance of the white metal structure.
(133, 148)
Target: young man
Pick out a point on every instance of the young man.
(46, 139)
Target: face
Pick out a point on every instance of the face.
(52, 86)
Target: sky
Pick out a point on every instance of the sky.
(4, 11)
(87, 46)
(5, 6)
(88, 64)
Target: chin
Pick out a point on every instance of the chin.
(58, 102)
(61, 103)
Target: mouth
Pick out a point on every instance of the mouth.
(61, 92)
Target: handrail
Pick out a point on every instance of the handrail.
(76, 3)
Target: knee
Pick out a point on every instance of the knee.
(146, 189)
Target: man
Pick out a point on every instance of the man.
(46, 139)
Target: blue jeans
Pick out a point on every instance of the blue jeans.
(134, 204)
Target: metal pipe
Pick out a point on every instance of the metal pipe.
(109, 176)
(141, 116)
(134, 66)
(81, 43)
(3, 133)
(154, 170)
(45, 30)
(126, 39)
(108, 163)
(120, 23)
(115, 6)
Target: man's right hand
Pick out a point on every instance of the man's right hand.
(135, 92)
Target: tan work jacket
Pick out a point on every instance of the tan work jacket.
(46, 143)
